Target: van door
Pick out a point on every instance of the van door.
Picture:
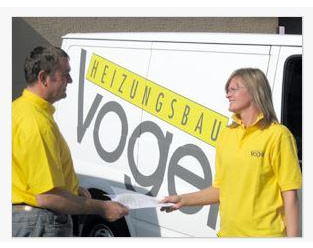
(287, 92)
(291, 114)
(188, 80)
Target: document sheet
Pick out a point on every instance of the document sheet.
(134, 200)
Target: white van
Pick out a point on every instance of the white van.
(144, 112)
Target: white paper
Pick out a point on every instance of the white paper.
(134, 200)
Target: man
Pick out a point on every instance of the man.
(45, 188)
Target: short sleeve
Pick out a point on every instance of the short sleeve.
(285, 162)
(43, 161)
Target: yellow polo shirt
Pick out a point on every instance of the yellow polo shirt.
(41, 159)
(253, 167)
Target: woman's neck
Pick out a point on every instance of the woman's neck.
(249, 116)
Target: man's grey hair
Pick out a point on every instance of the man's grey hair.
(42, 59)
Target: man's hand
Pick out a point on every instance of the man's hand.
(84, 192)
(112, 211)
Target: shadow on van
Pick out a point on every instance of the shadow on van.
(24, 39)
(139, 222)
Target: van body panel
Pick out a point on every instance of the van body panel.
(284, 54)
(145, 109)
(194, 37)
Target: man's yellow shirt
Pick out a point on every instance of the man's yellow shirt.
(253, 168)
(41, 159)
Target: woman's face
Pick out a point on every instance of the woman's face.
(238, 96)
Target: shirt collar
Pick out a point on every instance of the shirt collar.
(38, 101)
(237, 119)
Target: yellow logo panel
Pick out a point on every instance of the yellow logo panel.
(188, 116)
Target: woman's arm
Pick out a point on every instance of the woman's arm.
(206, 196)
(291, 206)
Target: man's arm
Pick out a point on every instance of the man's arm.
(291, 207)
(63, 201)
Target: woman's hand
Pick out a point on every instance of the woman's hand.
(176, 199)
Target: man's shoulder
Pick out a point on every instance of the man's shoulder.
(20, 108)
(26, 115)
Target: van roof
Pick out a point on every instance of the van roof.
(194, 37)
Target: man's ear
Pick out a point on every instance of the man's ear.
(42, 77)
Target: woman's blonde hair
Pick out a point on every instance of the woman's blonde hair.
(258, 87)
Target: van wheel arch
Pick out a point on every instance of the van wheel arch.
(96, 226)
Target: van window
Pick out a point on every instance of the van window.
(292, 99)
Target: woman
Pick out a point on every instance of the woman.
(257, 170)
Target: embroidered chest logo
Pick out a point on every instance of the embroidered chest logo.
(257, 154)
